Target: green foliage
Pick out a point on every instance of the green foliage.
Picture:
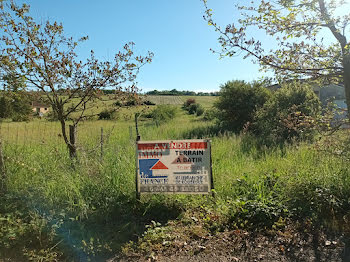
(296, 29)
(289, 115)
(15, 105)
(26, 231)
(258, 202)
(148, 103)
(132, 101)
(192, 107)
(55, 71)
(106, 114)
(188, 103)
(238, 102)
(210, 114)
(163, 113)
(118, 103)
(199, 110)
(73, 210)
(5, 106)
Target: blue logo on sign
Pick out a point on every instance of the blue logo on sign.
(148, 166)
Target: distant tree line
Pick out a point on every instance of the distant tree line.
(175, 92)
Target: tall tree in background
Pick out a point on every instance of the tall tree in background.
(15, 101)
(46, 58)
(311, 38)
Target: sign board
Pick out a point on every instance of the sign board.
(174, 166)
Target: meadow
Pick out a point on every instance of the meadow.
(56, 209)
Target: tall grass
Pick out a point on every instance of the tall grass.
(87, 210)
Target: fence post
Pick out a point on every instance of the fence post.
(101, 142)
(2, 171)
(138, 138)
(72, 138)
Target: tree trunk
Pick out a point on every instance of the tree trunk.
(72, 145)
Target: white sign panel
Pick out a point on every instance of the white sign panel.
(174, 166)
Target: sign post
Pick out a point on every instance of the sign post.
(174, 167)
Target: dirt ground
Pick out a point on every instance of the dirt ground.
(239, 245)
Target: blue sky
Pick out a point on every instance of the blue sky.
(174, 31)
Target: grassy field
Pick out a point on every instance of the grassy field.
(56, 209)
(205, 101)
(107, 102)
(165, 100)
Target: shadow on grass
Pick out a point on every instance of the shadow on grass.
(95, 238)
(104, 233)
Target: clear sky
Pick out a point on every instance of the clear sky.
(174, 30)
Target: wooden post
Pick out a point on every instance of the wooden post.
(137, 127)
(101, 144)
(2, 171)
(211, 170)
(72, 139)
(138, 138)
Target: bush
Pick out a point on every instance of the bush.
(200, 110)
(238, 102)
(289, 115)
(163, 113)
(15, 105)
(118, 104)
(148, 103)
(132, 100)
(210, 114)
(188, 103)
(106, 114)
(192, 109)
(5, 107)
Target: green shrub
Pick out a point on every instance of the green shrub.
(148, 103)
(192, 109)
(163, 113)
(289, 115)
(118, 104)
(238, 102)
(210, 114)
(195, 109)
(5, 107)
(15, 105)
(200, 110)
(106, 114)
(132, 100)
(188, 103)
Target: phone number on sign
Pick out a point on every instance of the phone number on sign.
(174, 188)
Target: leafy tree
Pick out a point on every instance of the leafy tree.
(311, 38)
(15, 101)
(290, 114)
(238, 102)
(46, 58)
